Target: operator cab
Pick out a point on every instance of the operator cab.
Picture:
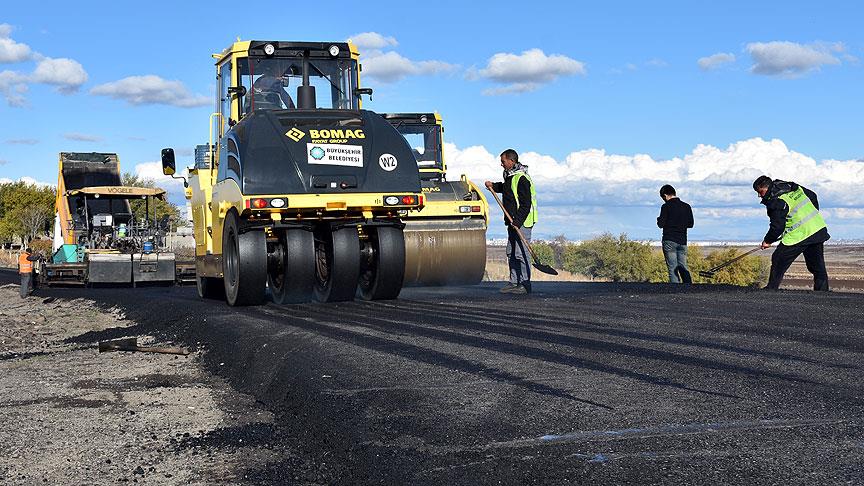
(423, 134)
(270, 75)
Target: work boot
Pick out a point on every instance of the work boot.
(527, 286)
(507, 288)
(516, 289)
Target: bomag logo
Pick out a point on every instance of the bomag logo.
(295, 134)
(336, 135)
(431, 189)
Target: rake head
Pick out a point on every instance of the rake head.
(706, 274)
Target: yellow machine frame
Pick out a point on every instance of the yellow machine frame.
(211, 201)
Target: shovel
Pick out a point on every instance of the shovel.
(131, 344)
(711, 271)
(539, 266)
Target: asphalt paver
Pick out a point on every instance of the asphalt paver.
(578, 383)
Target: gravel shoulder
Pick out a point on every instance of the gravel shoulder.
(71, 415)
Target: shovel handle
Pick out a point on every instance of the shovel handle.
(730, 262)
(518, 231)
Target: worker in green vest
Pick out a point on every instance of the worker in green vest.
(519, 198)
(797, 223)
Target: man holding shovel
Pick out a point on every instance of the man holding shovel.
(797, 223)
(519, 199)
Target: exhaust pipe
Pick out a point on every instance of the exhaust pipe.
(306, 92)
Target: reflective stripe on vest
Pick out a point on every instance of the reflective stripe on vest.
(803, 219)
(24, 265)
(531, 219)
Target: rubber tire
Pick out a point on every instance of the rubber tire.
(384, 279)
(298, 268)
(210, 288)
(342, 248)
(244, 263)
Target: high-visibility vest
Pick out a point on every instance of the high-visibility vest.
(24, 265)
(803, 219)
(531, 219)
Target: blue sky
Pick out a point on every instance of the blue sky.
(587, 93)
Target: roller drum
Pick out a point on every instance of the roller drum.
(445, 252)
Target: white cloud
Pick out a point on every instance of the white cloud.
(719, 177)
(81, 137)
(11, 51)
(790, 59)
(392, 66)
(66, 74)
(13, 85)
(619, 193)
(3, 161)
(527, 71)
(387, 65)
(26, 180)
(844, 213)
(372, 40)
(22, 141)
(714, 61)
(153, 171)
(151, 90)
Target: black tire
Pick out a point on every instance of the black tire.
(210, 288)
(382, 277)
(291, 276)
(244, 263)
(337, 263)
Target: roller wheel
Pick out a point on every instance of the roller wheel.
(210, 288)
(337, 263)
(244, 263)
(291, 274)
(383, 271)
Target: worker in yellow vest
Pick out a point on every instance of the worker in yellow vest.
(25, 269)
(797, 223)
(519, 198)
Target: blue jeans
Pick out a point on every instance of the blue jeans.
(517, 256)
(676, 262)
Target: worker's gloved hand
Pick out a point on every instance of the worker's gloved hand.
(765, 244)
(489, 185)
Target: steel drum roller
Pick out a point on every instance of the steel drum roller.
(445, 252)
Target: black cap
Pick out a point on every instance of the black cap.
(761, 181)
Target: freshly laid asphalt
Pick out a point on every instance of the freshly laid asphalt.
(577, 383)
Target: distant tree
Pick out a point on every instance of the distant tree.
(25, 210)
(616, 258)
(545, 253)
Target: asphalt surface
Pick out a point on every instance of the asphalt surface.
(578, 383)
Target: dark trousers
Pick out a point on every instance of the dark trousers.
(517, 256)
(814, 256)
(26, 285)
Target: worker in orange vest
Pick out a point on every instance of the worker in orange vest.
(25, 268)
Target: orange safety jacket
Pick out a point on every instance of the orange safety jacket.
(24, 265)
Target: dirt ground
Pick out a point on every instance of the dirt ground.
(70, 415)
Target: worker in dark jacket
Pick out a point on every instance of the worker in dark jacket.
(25, 269)
(675, 217)
(520, 200)
(797, 223)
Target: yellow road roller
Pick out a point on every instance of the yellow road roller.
(445, 242)
(301, 191)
